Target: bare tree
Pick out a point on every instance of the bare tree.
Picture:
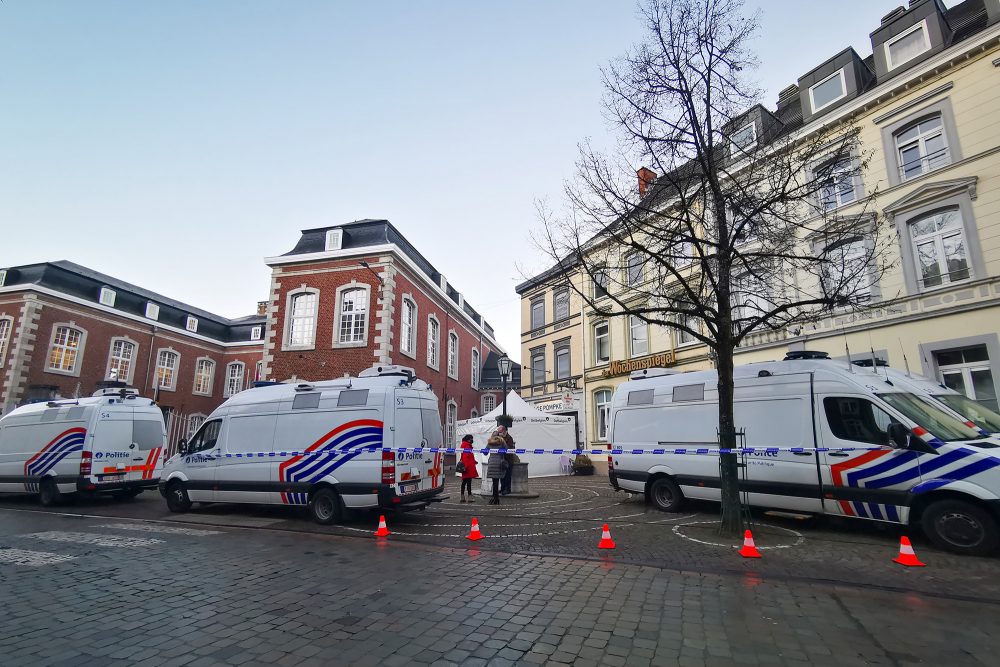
(741, 233)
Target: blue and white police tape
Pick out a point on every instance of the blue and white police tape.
(704, 451)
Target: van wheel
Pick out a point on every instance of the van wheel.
(48, 493)
(325, 507)
(960, 527)
(177, 497)
(666, 495)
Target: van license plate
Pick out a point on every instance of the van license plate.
(408, 488)
(113, 478)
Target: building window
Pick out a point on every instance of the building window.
(302, 319)
(602, 343)
(450, 419)
(562, 363)
(907, 46)
(560, 305)
(408, 328)
(258, 375)
(538, 371)
(683, 337)
(602, 401)
(474, 414)
(968, 371)
(234, 378)
(353, 316)
(256, 333)
(836, 184)
(633, 269)
(638, 336)
(334, 239)
(120, 360)
(921, 147)
(751, 298)
(489, 403)
(66, 349)
(453, 355)
(475, 368)
(166, 369)
(537, 314)
(204, 373)
(846, 275)
(6, 326)
(433, 342)
(600, 283)
(3, 277)
(742, 139)
(940, 248)
(191, 324)
(194, 423)
(107, 297)
(152, 311)
(827, 91)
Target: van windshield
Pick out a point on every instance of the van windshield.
(979, 414)
(930, 417)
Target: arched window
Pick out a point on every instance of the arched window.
(302, 319)
(489, 403)
(234, 378)
(473, 414)
(167, 362)
(66, 349)
(451, 419)
(408, 328)
(6, 326)
(353, 316)
(433, 342)
(120, 359)
(453, 354)
(204, 373)
(602, 403)
(475, 368)
(940, 248)
(921, 147)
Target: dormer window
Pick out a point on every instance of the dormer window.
(742, 138)
(152, 311)
(828, 91)
(255, 333)
(907, 45)
(334, 239)
(191, 324)
(3, 277)
(107, 297)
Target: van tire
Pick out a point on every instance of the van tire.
(177, 497)
(48, 493)
(666, 495)
(325, 506)
(960, 527)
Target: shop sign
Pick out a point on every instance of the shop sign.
(660, 360)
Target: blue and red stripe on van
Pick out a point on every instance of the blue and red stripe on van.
(331, 451)
(64, 444)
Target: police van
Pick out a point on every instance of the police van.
(844, 443)
(310, 444)
(111, 442)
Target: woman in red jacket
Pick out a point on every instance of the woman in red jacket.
(468, 462)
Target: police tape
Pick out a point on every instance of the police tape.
(704, 451)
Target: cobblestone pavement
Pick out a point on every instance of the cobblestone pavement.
(566, 520)
(80, 590)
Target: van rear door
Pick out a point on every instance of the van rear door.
(417, 425)
(112, 446)
(149, 438)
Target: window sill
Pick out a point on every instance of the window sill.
(342, 346)
(410, 355)
(59, 371)
(921, 291)
(201, 393)
(298, 348)
(435, 367)
(692, 343)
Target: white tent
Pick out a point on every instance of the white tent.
(532, 429)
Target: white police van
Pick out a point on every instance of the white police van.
(111, 442)
(927, 468)
(307, 444)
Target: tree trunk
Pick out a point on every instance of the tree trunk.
(729, 472)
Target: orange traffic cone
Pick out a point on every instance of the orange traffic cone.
(749, 549)
(606, 541)
(907, 556)
(383, 530)
(474, 533)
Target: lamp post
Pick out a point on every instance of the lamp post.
(503, 365)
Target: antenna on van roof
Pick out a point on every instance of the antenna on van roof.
(905, 362)
(850, 365)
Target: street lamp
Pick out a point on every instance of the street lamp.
(503, 365)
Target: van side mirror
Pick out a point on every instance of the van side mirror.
(182, 446)
(898, 434)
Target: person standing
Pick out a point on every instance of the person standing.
(495, 466)
(469, 471)
(510, 457)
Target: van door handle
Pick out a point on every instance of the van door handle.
(803, 453)
(839, 454)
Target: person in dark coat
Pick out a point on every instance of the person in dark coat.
(470, 472)
(495, 465)
(509, 457)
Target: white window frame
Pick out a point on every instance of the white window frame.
(863, 281)
(338, 327)
(152, 311)
(475, 368)
(632, 327)
(174, 370)
(256, 333)
(291, 318)
(628, 269)
(889, 64)
(597, 360)
(450, 423)
(334, 239)
(937, 236)
(843, 90)
(194, 423)
(602, 409)
(921, 142)
(537, 386)
(830, 170)
(433, 342)
(107, 297)
(734, 148)
(488, 403)
(453, 354)
(6, 333)
(679, 336)
(191, 324)
(3, 277)
(74, 371)
(537, 307)
(559, 351)
(559, 294)
(601, 272)
(198, 375)
(130, 361)
(235, 374)
(408, 331)
(259, 371)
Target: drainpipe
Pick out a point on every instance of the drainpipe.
(149, 358)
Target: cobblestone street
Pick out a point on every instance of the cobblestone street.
(229, 585)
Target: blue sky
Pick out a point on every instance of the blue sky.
(176, 144)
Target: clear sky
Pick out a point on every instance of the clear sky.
(176, 144)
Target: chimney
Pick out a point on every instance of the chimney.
(646, 178)
(787, 96)
(893, 14)
(262, 308)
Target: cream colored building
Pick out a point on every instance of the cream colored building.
(927, 103)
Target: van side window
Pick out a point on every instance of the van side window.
(857, 419)
(431, 422)
(206, 437)
(147, 434)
